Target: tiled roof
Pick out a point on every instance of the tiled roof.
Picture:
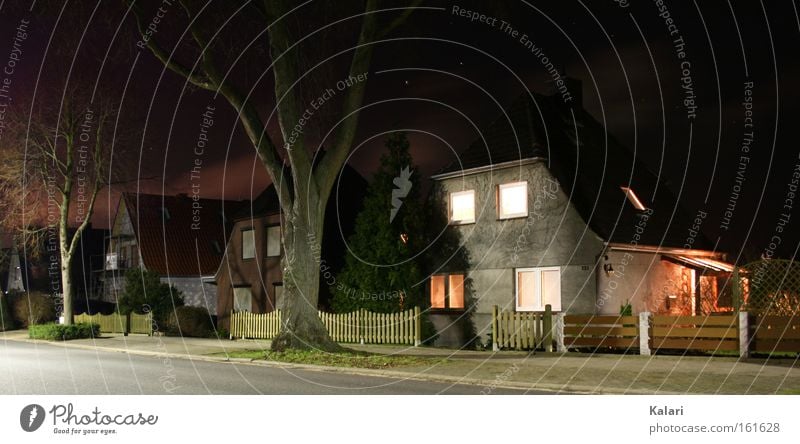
(178, 236)
(590, 171)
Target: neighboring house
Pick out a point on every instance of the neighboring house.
(182, 238)
(39, 270)
(250, 278)
(554, 211)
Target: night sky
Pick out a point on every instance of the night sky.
(442, 74)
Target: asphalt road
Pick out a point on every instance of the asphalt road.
(41, 369)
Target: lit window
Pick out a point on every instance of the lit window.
(538, 287)
(512, 200)
(242, 299)
(248, 243)
(437, 292)
(273, 240)
(404, 238)
(633, 198)
(447, 291)
(462, 207)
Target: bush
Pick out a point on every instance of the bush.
(192, 322)
(144, 292)
(58, 332)
(31, 308)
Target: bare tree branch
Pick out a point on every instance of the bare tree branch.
(195, 78)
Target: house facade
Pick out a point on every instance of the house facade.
(182, 238)
(551, 210)
(250, 277)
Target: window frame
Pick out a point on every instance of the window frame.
(446, 278)
(233, 291)
(499, 200)
(267, 237)
(540, 271)
(453, 194)
(255, 250)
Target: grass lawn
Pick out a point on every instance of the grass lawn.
(350, 358)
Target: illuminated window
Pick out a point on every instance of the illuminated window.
(242, 299)
(248, 243)
(512, 200)
(462, 207)
(273, 240)
(633, 198)
(537, 287)
(447, 291)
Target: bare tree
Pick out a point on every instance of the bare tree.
(303, 185)
(55, 165)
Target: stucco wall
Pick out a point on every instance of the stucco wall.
(553, 234)
(195, 292)
(646, 282)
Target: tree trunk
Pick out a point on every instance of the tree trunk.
(301, 326)
(66, 277)
(66, 289)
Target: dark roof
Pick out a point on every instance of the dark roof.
(349, 186)
(264, 204)
(590, 172)
(175, 237)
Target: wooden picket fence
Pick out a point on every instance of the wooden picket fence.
(598, 332)
(244, 324)
(119, 323)
(140, 323)
(113, 323)
(702, 333)
(355, 327)
(522, 330)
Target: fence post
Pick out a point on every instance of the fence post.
(644, 333)
(417, 328)
(560, 347)
(547, 325)
(736, 289)
(495, 346)
(744, 335)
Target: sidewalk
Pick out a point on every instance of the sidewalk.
(571, 372)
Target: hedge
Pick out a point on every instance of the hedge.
(59, 332)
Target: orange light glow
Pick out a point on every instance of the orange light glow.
(633, 198)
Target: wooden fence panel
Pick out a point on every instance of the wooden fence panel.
(141, 323)
(517, 330)
(598, 332)
(775, 334)
(701, 333)
(372, 328)
(113, 323)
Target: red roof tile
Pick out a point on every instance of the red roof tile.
(178, 235)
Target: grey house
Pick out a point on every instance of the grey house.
(551, 210)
